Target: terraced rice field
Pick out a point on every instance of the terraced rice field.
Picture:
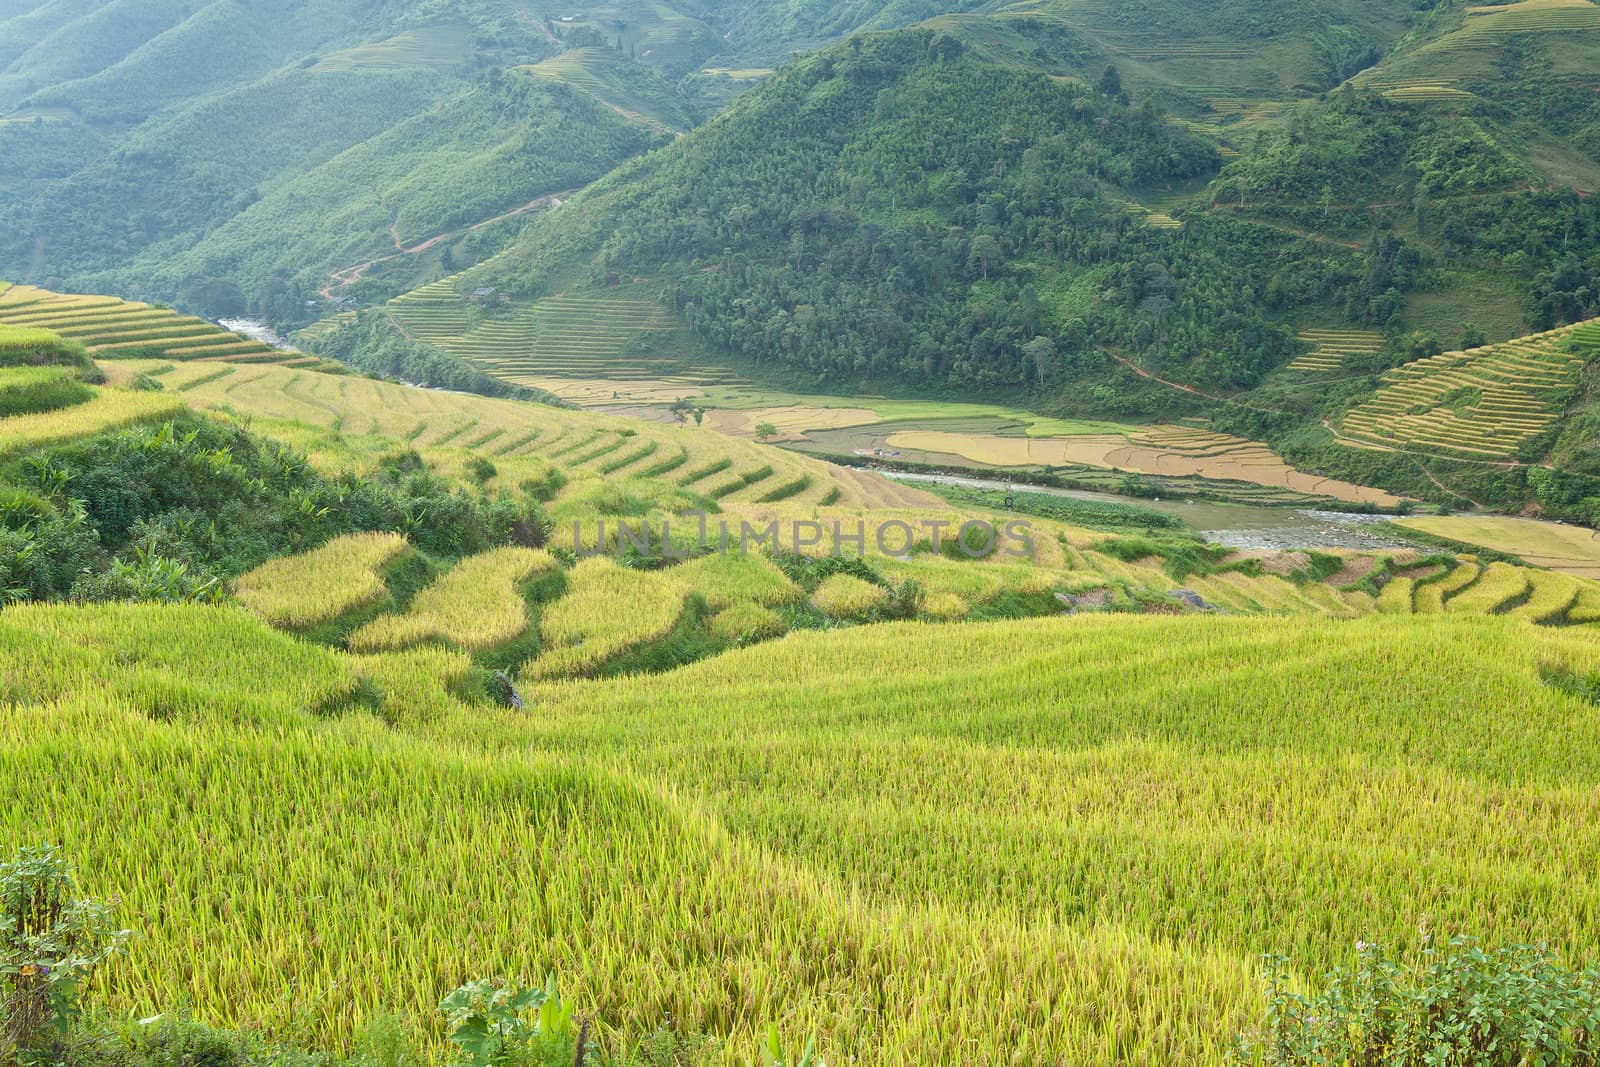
(316, 588)
(1331, 346)
(1482, 403)
(1570, 550)
(1159, 220)
(110, 328)
(549, 343)
(1486, 27)
(1531, 16)
(107, 409)
(518, 436)
(1543, 597)
(577, 68)
(1173, 451)
(437, 48)
(791, 832)
(1427, 94)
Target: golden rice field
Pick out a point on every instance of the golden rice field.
(324, 585)
(519, 438)
(1174, 451)
(1064, 840)
(844, 596)
(609, 609)
(1571, 550)
(615, 471)
(108, 409)
(477, 606)
(110, 328)
(1331, 346)
(1482, 403)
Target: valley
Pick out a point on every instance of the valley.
(716, 533)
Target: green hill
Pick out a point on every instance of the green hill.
(152, 147)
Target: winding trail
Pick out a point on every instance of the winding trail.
(1191, 390)
(345, 276)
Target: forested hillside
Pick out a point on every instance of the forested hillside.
(228, 154)
(896, 207)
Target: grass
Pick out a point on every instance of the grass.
(1064, 839)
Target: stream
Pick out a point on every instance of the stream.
(257, 331)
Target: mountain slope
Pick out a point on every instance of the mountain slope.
(896, 207)
(136, 137)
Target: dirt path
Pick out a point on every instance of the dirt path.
(346, 276)
(1191, 390)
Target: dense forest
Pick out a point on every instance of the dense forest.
(898, 207)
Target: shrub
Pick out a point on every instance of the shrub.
(1455, 1004)
(51, 942)
(499, 1024)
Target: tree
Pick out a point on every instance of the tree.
(1041, 352)
(986, 254)
(1111, 82)
(1472, 336)
(765, 430)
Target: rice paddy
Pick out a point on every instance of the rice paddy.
(1331, 346)
(324, 585)
(111, 329)
(477, 606)
(1480, 404)
(1116, 816)
(106, 410)
(1570, 550)
(549, 341)
(938, 841)
(1173, 451)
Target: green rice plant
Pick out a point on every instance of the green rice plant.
(1500, 588)
(946, 607)
(1395, 599)
(19, 344)
(828, 825)
(315, 588)
(607, 610)
(844, 596)
(477, 606)
(1551, 597)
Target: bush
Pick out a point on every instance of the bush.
(1456, 1004)
(503, 1024)
(51, 942)
(161, 511)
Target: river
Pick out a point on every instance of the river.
(257, 331)
(1238, 526)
